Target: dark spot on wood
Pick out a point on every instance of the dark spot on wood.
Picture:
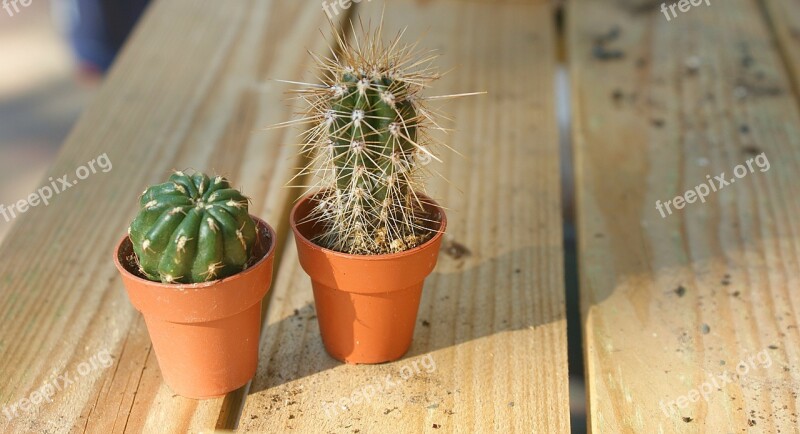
(705, 329)
(758, 89)
(773, 347)
(687, 419)
(436, 426)
(736, 293)
(744, 128)
(511, 404)
(692, 66)
(658, 123)
(296, 312)
(680, 290)
(600, 48)
(601, 53)
(641, 62)
(610, 36)
(751, 422)
(617, 95)
(456, 250)
(642, 7)
(425, 323)
(751, 150)
(517, 271)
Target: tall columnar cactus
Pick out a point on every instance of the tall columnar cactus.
(192, 229)
(368, 144)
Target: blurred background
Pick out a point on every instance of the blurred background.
(54, 55)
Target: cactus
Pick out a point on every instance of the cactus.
(192, 229)
(367, 140)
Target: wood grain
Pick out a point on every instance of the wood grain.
(191, 90)
(670, 303)
(489, 353)
(784, 17)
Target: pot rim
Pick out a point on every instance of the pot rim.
(382, 257)
(185, 286)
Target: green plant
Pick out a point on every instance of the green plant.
(368, 145)
(192, 229)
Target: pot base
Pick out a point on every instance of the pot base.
(206, 360)
(367, 328)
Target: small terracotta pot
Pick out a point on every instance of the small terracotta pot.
(366, 305)
(205, 335)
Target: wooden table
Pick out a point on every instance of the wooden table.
(671, 303)
(666, 303)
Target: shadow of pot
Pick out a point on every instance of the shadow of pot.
(366, 304)
(205, 335)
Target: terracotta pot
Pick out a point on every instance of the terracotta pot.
(366, 305)
(205, 335)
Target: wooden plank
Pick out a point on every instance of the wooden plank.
(190, 90)
(784, 17)
(670, 304)
(490, 341)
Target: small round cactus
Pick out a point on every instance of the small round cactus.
(192, 229)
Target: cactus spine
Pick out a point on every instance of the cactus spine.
(367, 140)
(192, 229)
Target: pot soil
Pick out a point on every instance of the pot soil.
(205, 335)
(366, 304)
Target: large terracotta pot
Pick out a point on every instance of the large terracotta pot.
(366, 305)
